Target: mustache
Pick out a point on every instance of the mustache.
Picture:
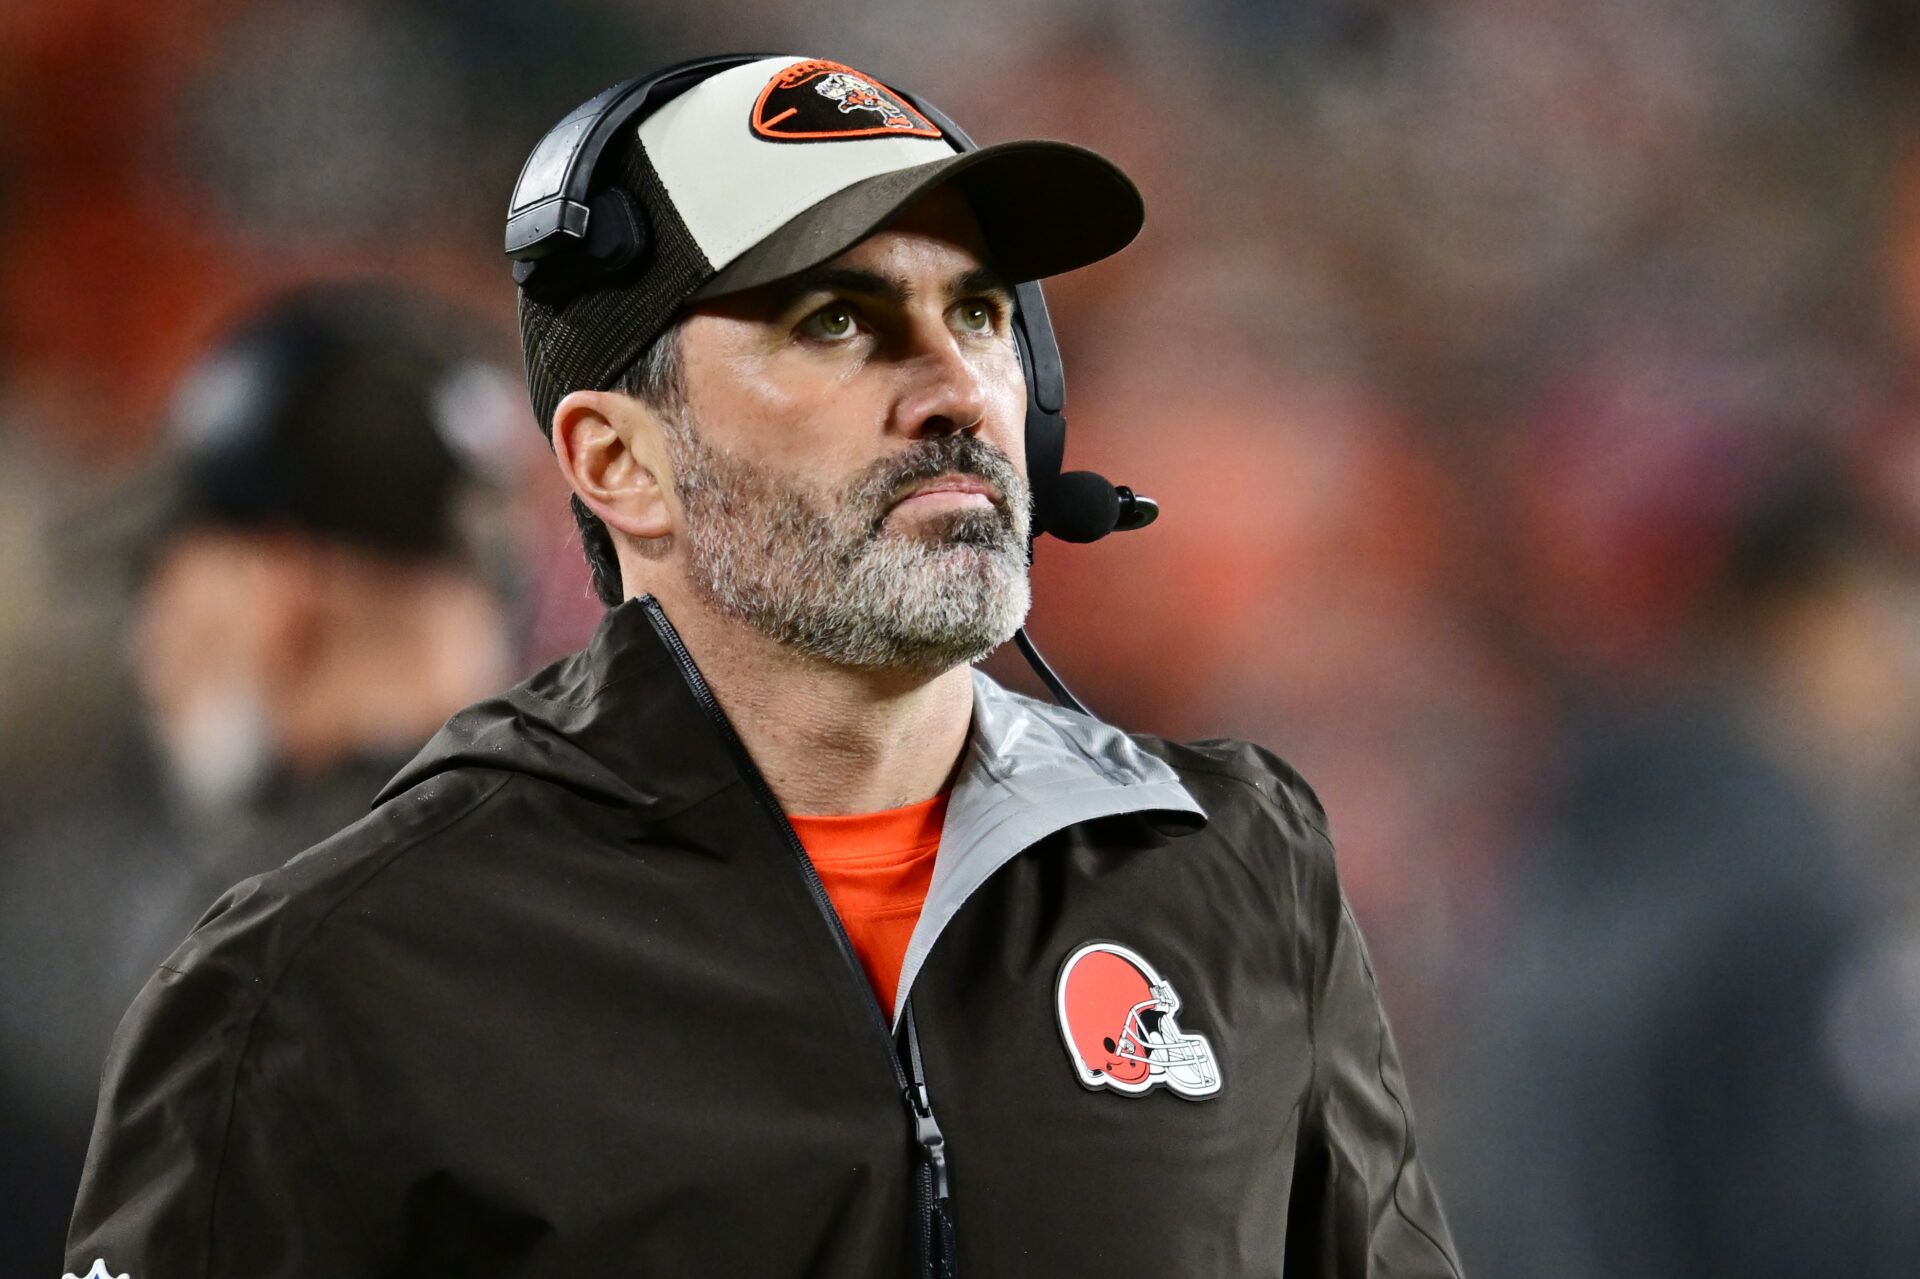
(889, 478)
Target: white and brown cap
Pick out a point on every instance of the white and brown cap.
(774, 166)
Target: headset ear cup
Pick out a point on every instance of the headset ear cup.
(1046, 449)
(616, 232)
(548, 281)
(1046, 392)
(615, 245)
(1046, 434)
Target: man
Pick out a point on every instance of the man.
(304, 607)
(765, 936)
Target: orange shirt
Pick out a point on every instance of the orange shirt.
(876, 868)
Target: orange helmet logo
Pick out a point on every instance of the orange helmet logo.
(1117, 1017)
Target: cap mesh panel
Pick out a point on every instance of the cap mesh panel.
(590, 339)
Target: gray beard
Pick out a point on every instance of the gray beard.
(814, 569)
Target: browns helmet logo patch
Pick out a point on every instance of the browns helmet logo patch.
(1117, 1016)
(818, 101)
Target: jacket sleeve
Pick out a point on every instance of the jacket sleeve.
(200, 1166)
(1361, 1202)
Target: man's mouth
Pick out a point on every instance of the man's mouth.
(949, 493)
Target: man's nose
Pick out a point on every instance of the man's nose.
(944, 392)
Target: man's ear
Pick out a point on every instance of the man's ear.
(612, 451)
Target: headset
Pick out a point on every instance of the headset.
(564, 237)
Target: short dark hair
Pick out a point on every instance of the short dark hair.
(654, 378)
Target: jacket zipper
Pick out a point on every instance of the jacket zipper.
(935, 1213)
(939, 1250)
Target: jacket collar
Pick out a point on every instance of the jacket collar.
(622, 723)
(1032, 769)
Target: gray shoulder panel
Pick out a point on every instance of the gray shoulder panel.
(1030, 769)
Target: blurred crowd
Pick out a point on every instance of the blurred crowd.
(1531, 388)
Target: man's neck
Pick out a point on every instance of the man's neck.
(830, 739)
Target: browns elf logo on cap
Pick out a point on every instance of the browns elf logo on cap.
(816, 101)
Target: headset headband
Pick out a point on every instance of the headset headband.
(550, 208)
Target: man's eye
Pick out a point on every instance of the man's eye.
(832, 323)
(975, 316)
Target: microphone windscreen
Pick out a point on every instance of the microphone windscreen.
(1083, 507)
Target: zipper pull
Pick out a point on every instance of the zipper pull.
(926, 1131)
(939, 1249)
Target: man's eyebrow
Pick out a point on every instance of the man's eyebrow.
(982, 279)
(824, 279)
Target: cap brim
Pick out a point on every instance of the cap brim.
(1043, 208)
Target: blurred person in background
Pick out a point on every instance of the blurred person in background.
(310, 596)
(1697, 1048)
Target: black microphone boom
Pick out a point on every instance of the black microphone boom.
(1085, 507)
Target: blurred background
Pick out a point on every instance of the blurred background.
(1530, 387)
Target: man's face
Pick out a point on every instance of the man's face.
(849, 459)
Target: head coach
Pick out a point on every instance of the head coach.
(765, 936)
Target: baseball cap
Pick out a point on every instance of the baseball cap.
(341, 411)
(776, 165)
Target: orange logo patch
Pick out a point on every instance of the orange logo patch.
(1117, 1018)
(824, 101)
